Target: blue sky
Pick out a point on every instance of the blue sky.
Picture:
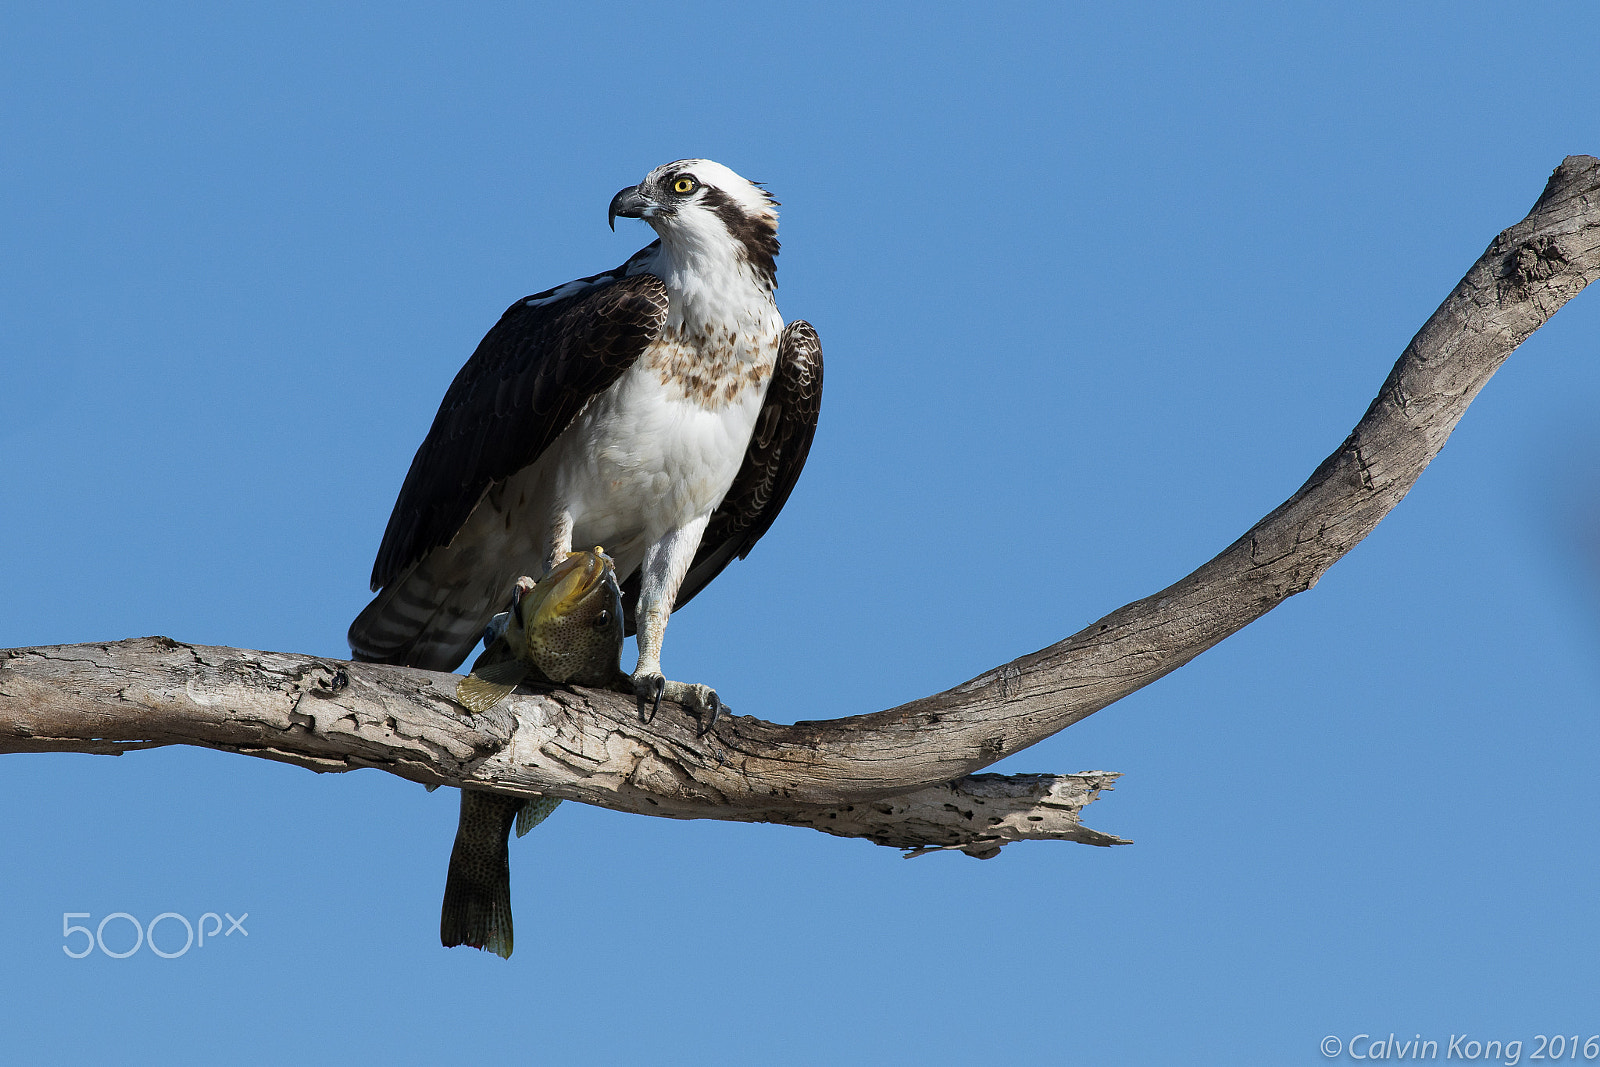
(1098, 287)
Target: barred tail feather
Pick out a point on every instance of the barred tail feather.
(431, 617)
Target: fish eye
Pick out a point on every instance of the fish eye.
(683, 185)
(602, 620)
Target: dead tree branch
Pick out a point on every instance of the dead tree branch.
(898, 777)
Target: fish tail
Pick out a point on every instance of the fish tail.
(477, 890)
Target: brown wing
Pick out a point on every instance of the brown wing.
(530, 376)
(772, 465)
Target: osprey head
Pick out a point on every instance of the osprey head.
(698, 204)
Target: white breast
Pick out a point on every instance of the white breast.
(662, 445)
(644, 458)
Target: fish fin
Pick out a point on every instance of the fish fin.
(499, 652)
(489, 684)
(477, 890)
(535, 812)
(512, 672)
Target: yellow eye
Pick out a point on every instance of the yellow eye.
(684, 184)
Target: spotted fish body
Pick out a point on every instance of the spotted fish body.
(567, 628)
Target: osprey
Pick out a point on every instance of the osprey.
(661, 410)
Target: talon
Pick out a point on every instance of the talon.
(713, 705)
(699, 700)
(649, 689)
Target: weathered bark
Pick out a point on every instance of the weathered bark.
(881, 776)
(586, 745)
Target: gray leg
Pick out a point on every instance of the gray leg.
(665, 564)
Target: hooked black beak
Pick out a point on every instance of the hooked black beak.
(629, 204)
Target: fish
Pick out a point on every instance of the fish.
(566, 628)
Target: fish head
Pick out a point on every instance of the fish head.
(572, 620)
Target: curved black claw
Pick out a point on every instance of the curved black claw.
(702, 701)
(715, 706)
(655, 706)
